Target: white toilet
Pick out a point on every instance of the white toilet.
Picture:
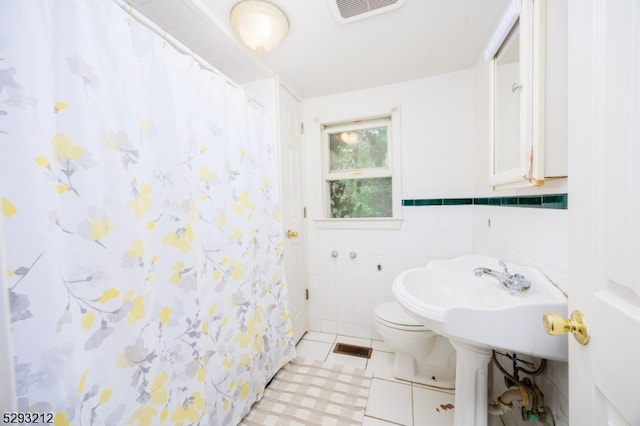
(420, 355)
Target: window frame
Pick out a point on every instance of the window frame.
(391, 118)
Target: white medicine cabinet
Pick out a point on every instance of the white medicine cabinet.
(518, 56)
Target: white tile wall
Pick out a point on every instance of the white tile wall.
(533, 237)
(344, 291)
(536, 237)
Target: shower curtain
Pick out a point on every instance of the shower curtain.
(141, 223)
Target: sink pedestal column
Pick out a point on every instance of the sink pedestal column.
(471, 384)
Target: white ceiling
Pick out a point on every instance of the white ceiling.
(320, 56)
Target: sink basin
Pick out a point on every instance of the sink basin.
(447, 297)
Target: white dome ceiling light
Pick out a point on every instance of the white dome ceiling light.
(259, 24)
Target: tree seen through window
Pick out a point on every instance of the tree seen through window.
(359, 177)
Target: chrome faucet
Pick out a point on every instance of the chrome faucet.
(514, 283)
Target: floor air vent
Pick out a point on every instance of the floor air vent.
(345, 349)
(351, 10)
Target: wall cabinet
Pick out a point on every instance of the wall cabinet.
(528, 62)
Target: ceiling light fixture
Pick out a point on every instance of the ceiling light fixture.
(261, 25)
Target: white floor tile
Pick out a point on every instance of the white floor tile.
(319, 337)
(350, 360)
(432, 407)
(354, 341)
(312, 350)
(434, 388)
(370, 421)
(390, 401)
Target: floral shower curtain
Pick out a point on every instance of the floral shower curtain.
(141, 224)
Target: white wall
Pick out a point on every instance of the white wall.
(437, 131)
(437, 144)
(344, 291)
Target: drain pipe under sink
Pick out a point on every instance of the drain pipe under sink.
(506, 400)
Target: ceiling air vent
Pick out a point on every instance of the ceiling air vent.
(352, 10)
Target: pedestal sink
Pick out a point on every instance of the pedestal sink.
(477, 315)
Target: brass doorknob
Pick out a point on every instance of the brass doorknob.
(292, 234)
(555, 324)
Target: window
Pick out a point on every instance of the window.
(358, 172)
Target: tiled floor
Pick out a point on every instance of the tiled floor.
(391, 401)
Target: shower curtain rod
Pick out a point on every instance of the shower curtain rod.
(180, 47)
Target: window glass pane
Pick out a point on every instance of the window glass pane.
(361, 198)
(358, 149)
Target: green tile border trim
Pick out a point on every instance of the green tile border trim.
(548, 201)
(429, 202)
(457, 201)
(555, 201)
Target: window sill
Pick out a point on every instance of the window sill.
(355, 223)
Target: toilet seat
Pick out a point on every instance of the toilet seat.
(392, 315)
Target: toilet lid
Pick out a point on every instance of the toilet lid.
(393, 313)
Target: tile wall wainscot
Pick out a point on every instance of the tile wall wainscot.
(344, 291)
(532, 236)
(531, 230)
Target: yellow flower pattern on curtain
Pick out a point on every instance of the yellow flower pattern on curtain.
(142, 235)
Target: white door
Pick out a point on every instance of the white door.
(293, 209)
(604, 210)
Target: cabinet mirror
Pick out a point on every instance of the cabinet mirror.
(516, 59)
